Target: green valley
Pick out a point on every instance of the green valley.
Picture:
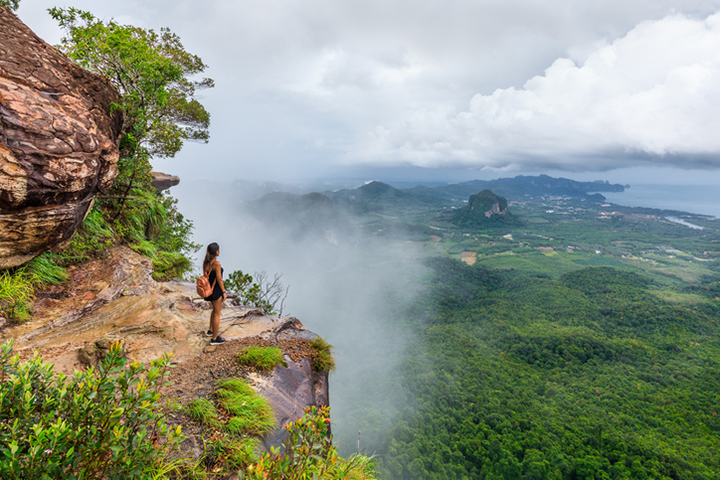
(572, 340)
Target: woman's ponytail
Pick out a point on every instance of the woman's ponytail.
(212, 252)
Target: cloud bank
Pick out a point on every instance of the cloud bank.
(651, 96)
(306, 88)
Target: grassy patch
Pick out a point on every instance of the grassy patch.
(231, 455)
(17, 287)
(262, 358)
(322, 359)
(203, 411)
(251, 414)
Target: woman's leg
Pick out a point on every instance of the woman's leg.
(215, 317)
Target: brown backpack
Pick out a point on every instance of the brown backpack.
(203, 287)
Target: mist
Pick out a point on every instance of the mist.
(353, 292)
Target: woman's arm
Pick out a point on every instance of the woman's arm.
(218, 275)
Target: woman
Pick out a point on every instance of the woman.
(214, 270)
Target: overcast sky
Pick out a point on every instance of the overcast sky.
(444, 89)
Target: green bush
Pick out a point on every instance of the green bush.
(248, 292)
(308, 453)
(94, 236)
(16, 295)
(103, 423)
(231, 454)
(262, 358)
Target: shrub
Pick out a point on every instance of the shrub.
(259, 292)
(103, 423)
(308, 453)
(262, 358)
(230, 454)
(322, 359)
(93, 237)
(16, 295)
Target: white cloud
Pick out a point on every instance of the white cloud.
(653, 94)
(415, 81)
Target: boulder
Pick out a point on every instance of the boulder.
(163, 181)
(58, 142)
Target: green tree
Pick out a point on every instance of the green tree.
(11, 5)
(151, 71)
(155, 77)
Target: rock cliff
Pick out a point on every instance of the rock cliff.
(482, 208)
(116, 299)
(58, 142)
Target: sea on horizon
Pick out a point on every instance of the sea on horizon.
(700, 199)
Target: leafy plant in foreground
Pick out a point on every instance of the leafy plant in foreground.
(308, 453)
(103, 423)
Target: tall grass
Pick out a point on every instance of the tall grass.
(251, 413)
(17, 287)
(262, 358)
(321, 358)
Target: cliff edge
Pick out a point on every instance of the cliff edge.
(115, 298)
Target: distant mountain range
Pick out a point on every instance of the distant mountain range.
(381, 198)
(327, 214)
(518, 187)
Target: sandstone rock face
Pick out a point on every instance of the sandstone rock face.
(58, 143)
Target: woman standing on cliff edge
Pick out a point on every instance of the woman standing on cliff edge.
(214, 270)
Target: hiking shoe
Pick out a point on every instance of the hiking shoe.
(208, 333)
(217, 341)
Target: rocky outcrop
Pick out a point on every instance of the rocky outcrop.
(495, 210)
(58, 143)
(163, 181)
(483, 207)
(115, 298)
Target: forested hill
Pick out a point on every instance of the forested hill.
(378, 197)
(588, 375)
(515, 188)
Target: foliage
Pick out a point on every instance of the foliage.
(585, 375)
(95, 424)
(16, 294)
(321, 359)
(308, 453)
(203, 411)
(265, 294)
(232, 417)
(250, 414)
(17, 287)
(11, 5)
(152, 226)
(151, 72)
(94, 236)
(262, 358)
(231, 454)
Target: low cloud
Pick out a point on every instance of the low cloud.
(651, 96)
